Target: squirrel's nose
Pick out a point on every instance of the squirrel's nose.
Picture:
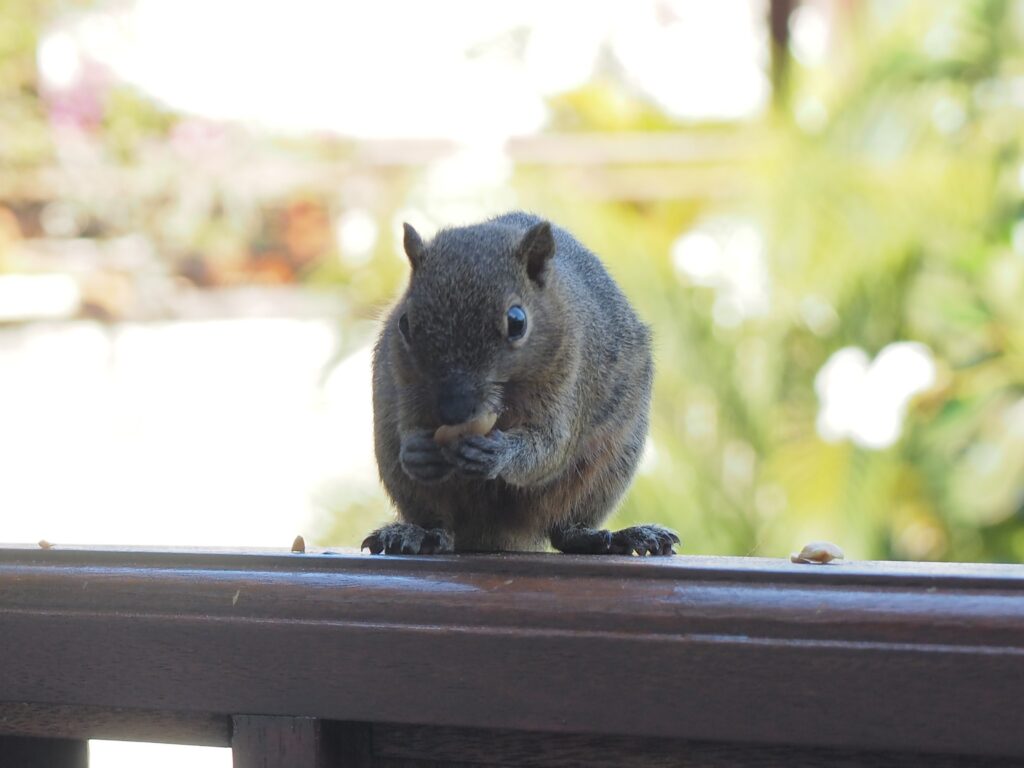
(456, 401)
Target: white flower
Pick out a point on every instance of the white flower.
(865, 400)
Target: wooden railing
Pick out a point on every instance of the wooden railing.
(538, 660)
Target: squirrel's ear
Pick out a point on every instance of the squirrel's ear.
(536, 249)
(413, 245)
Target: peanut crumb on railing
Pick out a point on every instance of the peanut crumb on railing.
(817, 552)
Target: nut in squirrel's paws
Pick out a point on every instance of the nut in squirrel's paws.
(447, 434)
(408, 539)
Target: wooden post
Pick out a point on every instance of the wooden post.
(259, 741)
(276, 742)
(779, 12)
(27, 752)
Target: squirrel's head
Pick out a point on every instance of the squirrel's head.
(481, 312)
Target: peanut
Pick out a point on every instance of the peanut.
(481, 425)
(820, 552)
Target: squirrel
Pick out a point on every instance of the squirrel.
(511, 317)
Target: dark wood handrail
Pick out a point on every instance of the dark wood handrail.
(176, 645)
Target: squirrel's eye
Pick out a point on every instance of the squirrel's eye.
(516, 317)
(403, 326)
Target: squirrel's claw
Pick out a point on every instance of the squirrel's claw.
(372, 543)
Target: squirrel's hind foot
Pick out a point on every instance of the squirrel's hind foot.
(408, 539)
(642, 539)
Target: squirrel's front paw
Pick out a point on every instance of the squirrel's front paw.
(480, 456)
(408, 539)
(421, 458)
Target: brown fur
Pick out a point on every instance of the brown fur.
(572, 398)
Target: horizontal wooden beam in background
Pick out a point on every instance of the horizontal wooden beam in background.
(911, 657)
(684, 164)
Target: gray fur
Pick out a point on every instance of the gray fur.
(573, 397)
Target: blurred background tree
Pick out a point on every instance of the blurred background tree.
(834, 279)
